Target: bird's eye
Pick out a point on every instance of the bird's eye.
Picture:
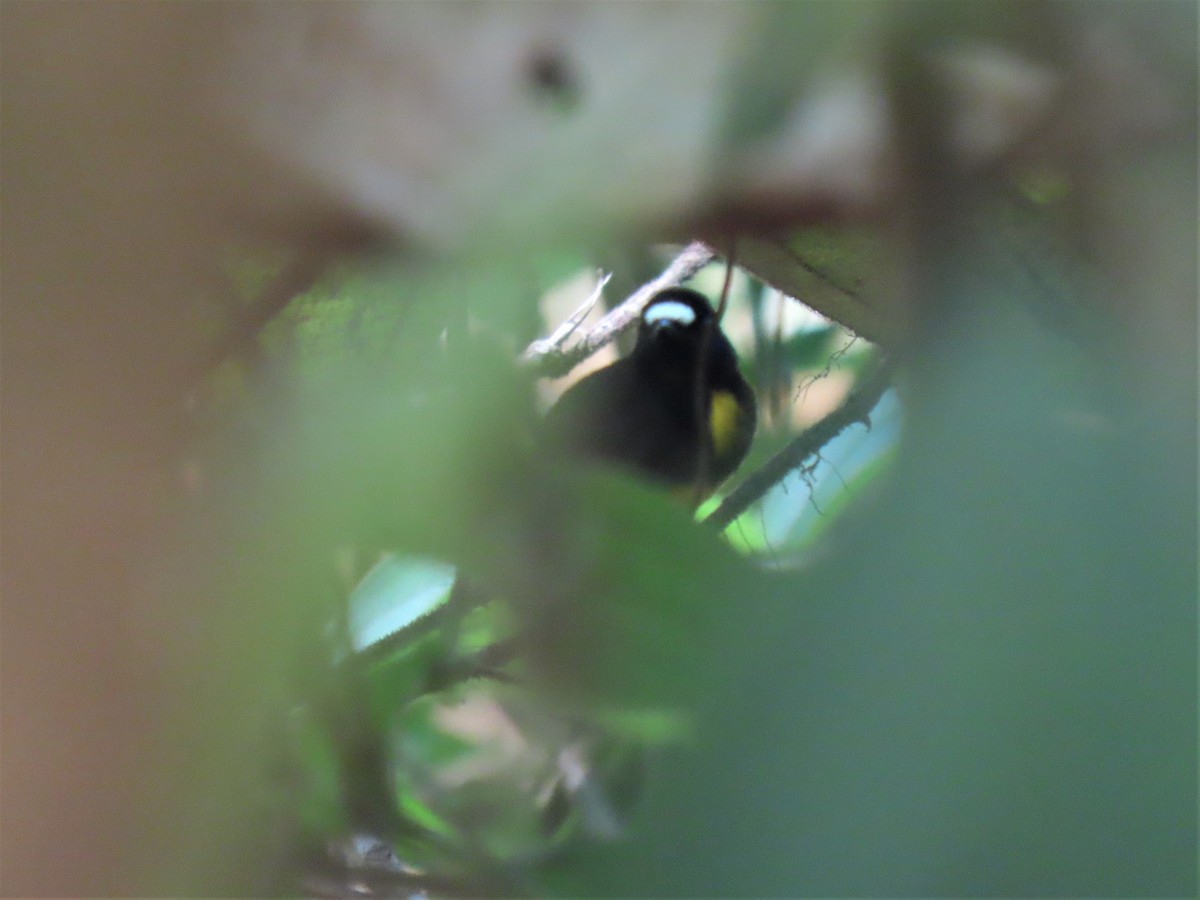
(669, 311)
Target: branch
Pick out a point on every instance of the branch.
(855, 408)
(553, 344)
(549, 358)
(778, 265)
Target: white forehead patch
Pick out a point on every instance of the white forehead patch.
(670, 311)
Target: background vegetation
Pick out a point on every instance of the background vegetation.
(294, 604)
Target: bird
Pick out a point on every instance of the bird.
(675, 411)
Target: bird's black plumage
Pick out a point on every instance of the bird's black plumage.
(676, 410)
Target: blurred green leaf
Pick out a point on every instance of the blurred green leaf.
(484, 625)
(402, 674)
(316, 788)
(423, 816)
(422, 742)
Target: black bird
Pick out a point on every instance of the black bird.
(675, 411)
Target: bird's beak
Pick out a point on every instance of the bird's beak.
(665, 326)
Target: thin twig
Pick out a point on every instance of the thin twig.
(554, 342)
(855, 408)
(552, 360)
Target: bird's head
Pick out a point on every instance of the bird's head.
(673, 326)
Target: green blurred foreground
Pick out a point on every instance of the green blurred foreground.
(983, 682)
(973, 671)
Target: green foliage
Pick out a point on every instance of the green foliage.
(383, 452)
(964, 656)
(319, 800)
(989, 667)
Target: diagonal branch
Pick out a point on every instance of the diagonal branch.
(555, 341)
(855, 408)
(550, 359)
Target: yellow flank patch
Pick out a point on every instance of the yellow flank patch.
(723, 416)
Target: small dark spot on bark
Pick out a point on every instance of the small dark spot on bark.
(552, 78)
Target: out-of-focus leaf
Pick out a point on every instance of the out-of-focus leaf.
(422, 815)
(747, 534)
(644, 597)
(466, 772)
(402, 674)
(645, 726)
(421, 743)
(775, 61)
(998, 664)
(395, 593)
(484, 625)
(317, 788)
(846, 274)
